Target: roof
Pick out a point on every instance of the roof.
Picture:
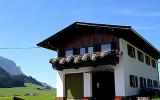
(125, 32)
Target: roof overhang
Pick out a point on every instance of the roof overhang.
(125, 32)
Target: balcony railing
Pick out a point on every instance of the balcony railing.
(77, 61)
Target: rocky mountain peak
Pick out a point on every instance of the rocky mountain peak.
(10, 66)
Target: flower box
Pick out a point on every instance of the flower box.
(95, 59)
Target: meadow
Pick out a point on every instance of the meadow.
(31, 89)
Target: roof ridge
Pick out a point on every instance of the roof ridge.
(102, 25)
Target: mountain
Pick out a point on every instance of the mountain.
(12, 76)
(8, 81)
(10, 66)
(45, 84)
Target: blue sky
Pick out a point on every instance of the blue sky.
(24, 23)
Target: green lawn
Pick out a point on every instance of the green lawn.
(30, 98)
(8, 93)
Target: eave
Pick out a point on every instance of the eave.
(125, 32)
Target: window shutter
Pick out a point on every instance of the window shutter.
(76, 51)
(96, 47)
(113, 45)
(136, 81)
(144, 82)
(61, 53)
(86, 50)
(131, 81)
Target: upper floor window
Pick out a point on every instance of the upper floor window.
(133, 81)
(90, 50)
(82, 51)
(69, 53)
(153, 62)
(131, 51)
(106, 47)
(147, 58)
(140, 56)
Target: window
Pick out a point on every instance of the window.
(142, 82)
(106, 47)
(147, 58)
(69, 53)
(131, 51)
(90, 50)
(153, 62)
(140, 56)
(155, 83)
(149, 82)
(82, 51)
(133, 81)
(136, 81)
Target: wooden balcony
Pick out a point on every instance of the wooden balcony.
(86, 60)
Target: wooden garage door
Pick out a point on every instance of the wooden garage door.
(74, 86)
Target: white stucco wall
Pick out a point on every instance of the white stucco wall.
(132, 66)
(60, 86)
(119, 74)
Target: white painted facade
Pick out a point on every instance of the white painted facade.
(60, 84)
(127, 66)
(132, 66)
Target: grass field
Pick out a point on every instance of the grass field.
(8, 93)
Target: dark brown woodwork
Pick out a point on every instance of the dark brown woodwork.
(87, 39)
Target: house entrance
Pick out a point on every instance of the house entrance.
(103, 85)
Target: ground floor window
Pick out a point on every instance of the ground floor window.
(142, 82)
(149, 82)
(155, 83)
(133, 81)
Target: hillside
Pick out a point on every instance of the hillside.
(28, 79)
(29, 92)
(7, 81)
